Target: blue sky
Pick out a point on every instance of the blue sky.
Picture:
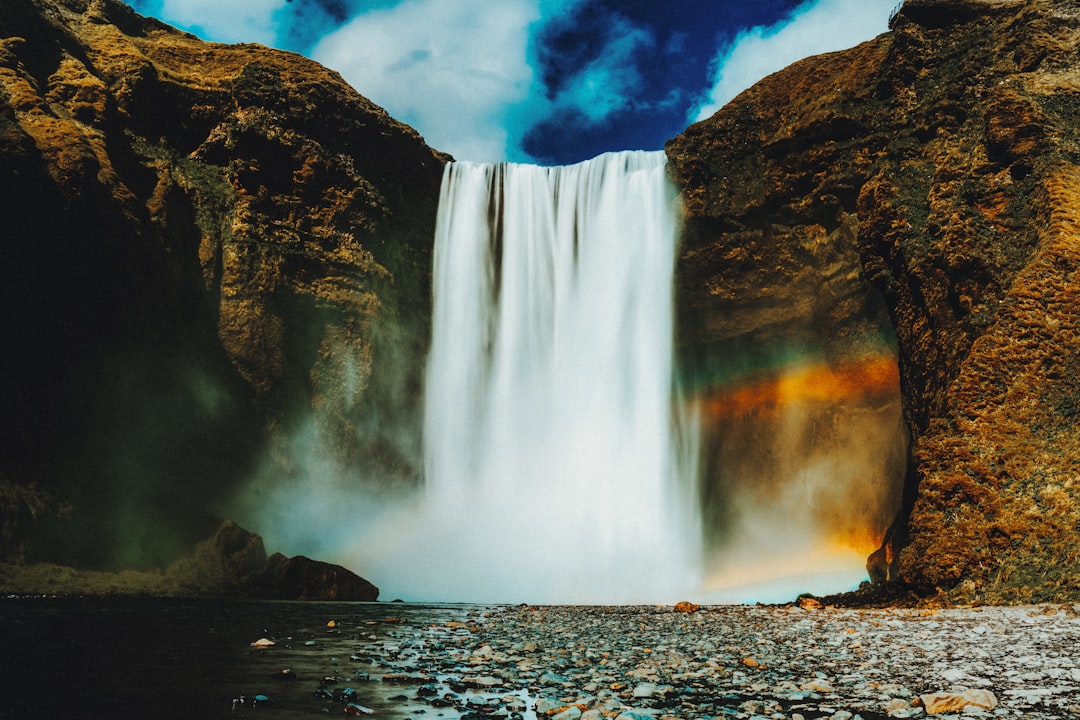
(549, 81)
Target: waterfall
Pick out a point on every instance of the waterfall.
(559, 458)
(554, 469)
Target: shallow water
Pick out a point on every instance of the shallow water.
(170, 658)
(153, 658)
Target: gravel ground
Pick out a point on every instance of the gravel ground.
(113, 658)
(721, 662)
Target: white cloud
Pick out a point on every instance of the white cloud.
(817, 26)
(611, 81)
(229, 22)
(452, 70)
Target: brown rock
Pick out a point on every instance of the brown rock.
(936, 168)
(208, 246)
(948, 702)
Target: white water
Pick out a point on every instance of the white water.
(553, 469)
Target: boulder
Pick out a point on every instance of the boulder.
(301, 578)
(952, 702)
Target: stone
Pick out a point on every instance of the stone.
(407, 678)
(552, 678)
(953, 675)
(947, 702)
(482, 681)
(634, 715)
(546, 706)
(698, 664)
(896, 705)
(354, 708)
(301, 578)
(573, 712)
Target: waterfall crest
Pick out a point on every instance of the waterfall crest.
(554, 469)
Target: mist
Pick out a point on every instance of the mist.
(810, 463)
(558, 464)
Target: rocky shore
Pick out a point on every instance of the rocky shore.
(635, 663)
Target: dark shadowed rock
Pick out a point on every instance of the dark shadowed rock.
(234, 561)
(301, 578)
(207, 247)
(230, 560)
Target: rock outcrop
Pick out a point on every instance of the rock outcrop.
(230, 563)
(301, 578)
(206, 247)
(936, 168)
(233, 561)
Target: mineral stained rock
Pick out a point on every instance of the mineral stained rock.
(206, 247)
(936, 168)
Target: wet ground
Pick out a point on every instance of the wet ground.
(152, 658)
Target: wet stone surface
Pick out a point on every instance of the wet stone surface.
(164, 659)
(636, 663)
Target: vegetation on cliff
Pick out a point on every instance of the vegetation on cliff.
(943, 155)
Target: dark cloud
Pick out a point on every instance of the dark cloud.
(304, 22)
(568, 136)
(670, 71)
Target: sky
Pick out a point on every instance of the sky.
(544, 81)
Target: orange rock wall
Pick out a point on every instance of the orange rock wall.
(940, 162)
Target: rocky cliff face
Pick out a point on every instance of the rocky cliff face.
(205, 247)
(932, 172)
(212, 249)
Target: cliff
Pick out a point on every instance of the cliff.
(213, 250)
(932, 172)
(207, 249)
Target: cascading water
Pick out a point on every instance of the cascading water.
(555, 471)
(561, 464)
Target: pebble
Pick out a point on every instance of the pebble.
(571, 713)
(947, 702)
(741, 662)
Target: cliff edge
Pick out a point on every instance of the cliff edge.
(208, 249)
(944, 157)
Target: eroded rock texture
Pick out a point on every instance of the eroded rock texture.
(206, 247)
(939, 164)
